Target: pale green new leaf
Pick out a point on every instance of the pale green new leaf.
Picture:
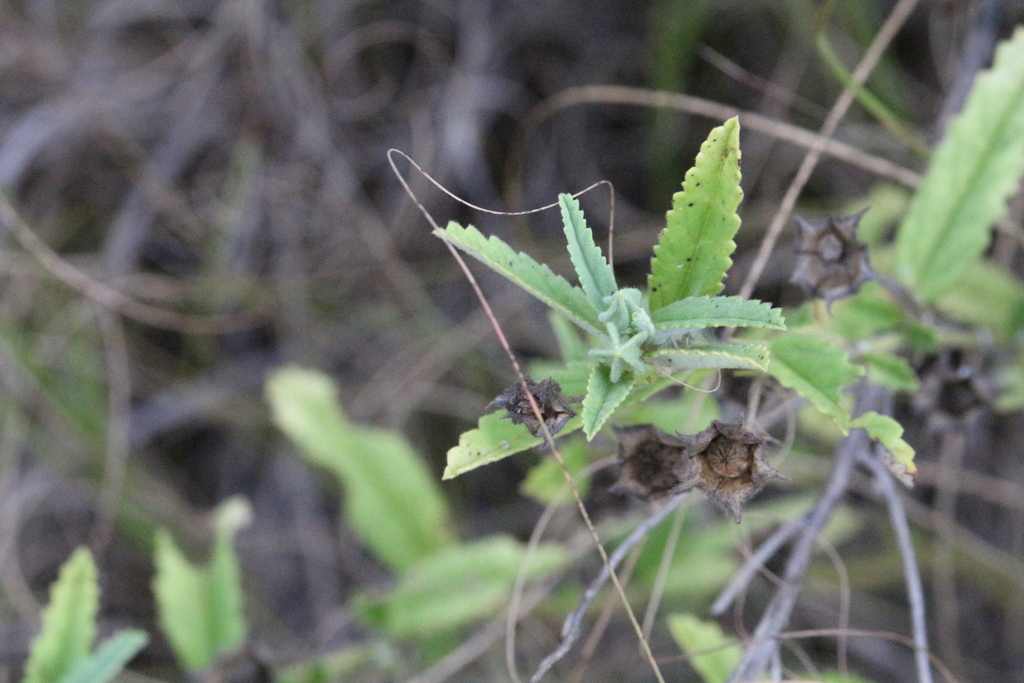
(493, 439)
(718, 311)
(535, 278)
(693, 251)
(592, 268)
(746, 356)
(603, 397)
(889, 433)
(391, 500)
(227, 604)
(180, 590)
(570, 344)
(69, 621)
(1001, 292)
(890, 371)
(720, 655)
(816, 369)
(546, 479)
(109, 659)
(974, 171)
(200, 608)
(457, 586)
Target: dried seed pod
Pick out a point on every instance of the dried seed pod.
(653, 463)
(955, 389)
(831, 263)
(548, 395)
(724, 461)
(733, 466)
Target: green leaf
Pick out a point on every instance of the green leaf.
(889, 433)
(69, 621)
(200, 609)
(694, 636)
(868, 313)
(546, 480)
(592, 268)
(109, 659)
(457, 586)
(750, 356)
(1010, 380)
(391, 499)
(719, 311)
(988, 296)
(495, 438)
(816, 369)
(535, 278)
(603, 397)
(570, 345)
(890, 371)
(976, 168)
(693, 251)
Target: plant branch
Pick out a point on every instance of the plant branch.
(776, 617)
(893, 23)
(915, 591)
(571, 627)
(756, 561)
(535, 408)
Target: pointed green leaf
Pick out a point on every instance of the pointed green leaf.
(592, 268)
(392, 500)
(570, 344)
(695, 636)
(974, 171)
(200, 608)
(227, 604)
(109, 659)
(535, 278)
(718, 311)
(180, 590)
(693, 251)
(890, 371)
(495, 438)
(999, 289)
(546, 479)
(69, 621)
(457, 586)
(749, 356)
(603, 397)
(816, 369)
(889, 433)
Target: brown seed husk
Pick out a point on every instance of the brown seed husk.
(548, 394)
(831, 262)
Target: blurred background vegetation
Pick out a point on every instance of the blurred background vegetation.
(206, 196)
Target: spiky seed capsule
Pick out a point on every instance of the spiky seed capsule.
(831, 262)
(548, 394)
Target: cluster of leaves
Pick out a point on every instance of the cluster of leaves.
(63, 651)
(199, 608)
(638, 340)
(397, 509)
(635, 341)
